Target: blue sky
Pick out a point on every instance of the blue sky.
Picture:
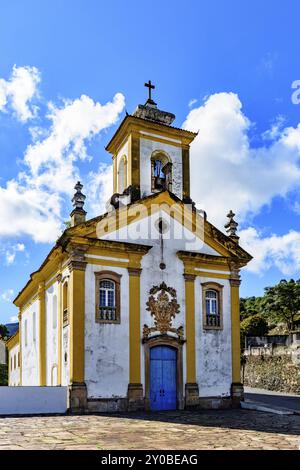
(223, 67)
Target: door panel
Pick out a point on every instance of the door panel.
(163, 390)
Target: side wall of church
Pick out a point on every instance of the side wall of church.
(106, 345)
(147, 147)
(30, 345)
(14, 368)
(52, 334)
(213, 347)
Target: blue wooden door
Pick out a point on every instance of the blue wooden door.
(163, 392)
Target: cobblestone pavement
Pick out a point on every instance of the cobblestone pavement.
(232, 429)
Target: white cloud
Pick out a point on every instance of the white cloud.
(226, 172)
(18, 92)
(280, 251)
(100, 189)
(33, 203)
(72, 126)
(14, 319)
(276, 128)
(192, 102)
(7, 295)
(10, 253)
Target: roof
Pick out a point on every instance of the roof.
(13, 340)
(130, 120)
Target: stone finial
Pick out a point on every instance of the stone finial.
(231, 226)
(78, 213)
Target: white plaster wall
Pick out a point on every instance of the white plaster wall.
(215, 379)
(32, 400)
(106, 345)
(30, 353)
(14, 372)
(145, 232)
(147, 147)
(51, 299)
(213, 347)
(65, 351)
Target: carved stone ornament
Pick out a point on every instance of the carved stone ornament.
(163, 306)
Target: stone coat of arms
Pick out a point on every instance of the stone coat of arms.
(163, 306)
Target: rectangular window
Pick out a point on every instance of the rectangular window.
(212, 305)
(107, 297)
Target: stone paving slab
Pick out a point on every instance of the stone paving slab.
(230, 429)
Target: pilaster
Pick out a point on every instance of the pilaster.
(42, 334)
(191, 387)
(135, 393)
(59, 328)
(237, 392)
(77, 267)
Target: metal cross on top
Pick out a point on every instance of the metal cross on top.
(150, 88)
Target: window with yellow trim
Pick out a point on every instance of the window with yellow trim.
(212, 305)
(107, 297)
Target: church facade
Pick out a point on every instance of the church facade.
(138, 309)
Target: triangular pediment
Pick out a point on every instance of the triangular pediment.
(192, 220)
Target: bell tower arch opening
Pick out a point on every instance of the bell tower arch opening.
(161, 171)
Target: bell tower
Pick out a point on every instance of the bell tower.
(150, 155)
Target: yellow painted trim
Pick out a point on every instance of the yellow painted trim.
(132, 124)
(42, 334)
(105, 262)
(190, 330)
(212, 275)
(109, 251)
(50, 283)
(135, 159)
(77, 321)
(29, 303)
(129, 166)
(235, 334)
(13, 341)
(134, 329)
(115, 171)
(20, 340)
(59, 333)
(161, 140)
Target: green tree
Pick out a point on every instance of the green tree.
(281, 303)
(250, 306)
(3, 331)
(254, 325)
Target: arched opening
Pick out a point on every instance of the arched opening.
(122, 175)
(161, 172)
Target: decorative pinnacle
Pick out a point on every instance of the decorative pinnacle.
(78, 198)
(231, 226)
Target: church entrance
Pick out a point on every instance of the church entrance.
(163, 378)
